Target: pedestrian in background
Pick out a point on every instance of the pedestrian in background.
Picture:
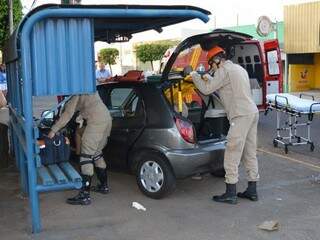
(4, 141)
(102, 74)
(3, 79)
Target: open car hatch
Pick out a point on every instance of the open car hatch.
(221, 37)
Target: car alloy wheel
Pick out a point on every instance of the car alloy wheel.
(151, 176)
(154, 175)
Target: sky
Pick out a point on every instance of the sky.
(225, 13)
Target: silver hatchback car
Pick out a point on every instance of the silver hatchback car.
(158, 144)
(154, 140)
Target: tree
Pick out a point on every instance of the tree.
(4, 19)
(109, 56)
(151, 52)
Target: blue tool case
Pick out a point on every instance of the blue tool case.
(55, 150)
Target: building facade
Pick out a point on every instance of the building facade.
(302, 45)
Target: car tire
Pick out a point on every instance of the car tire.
(154, 176)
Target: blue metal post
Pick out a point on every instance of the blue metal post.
(24, 173)
(28, 129)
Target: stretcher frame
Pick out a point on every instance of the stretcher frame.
(292, 124)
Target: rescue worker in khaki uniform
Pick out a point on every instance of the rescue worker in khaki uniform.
(232, 84)
(94, 139)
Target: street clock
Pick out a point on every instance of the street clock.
(264, 26)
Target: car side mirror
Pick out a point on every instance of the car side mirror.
(47, 118)
(48, 115)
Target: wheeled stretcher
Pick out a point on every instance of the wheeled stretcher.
(299, 112)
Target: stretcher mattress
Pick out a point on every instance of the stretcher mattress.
(295, 103)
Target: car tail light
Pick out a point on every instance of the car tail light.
(185, 129)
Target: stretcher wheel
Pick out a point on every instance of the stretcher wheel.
(299, 139)
(275, 143)
(311, 147)
(286, 150)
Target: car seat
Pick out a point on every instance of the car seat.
(241, 62)
(249, 66)
(258, 71)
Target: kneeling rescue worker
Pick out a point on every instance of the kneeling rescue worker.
(94, 138)
(232, 84)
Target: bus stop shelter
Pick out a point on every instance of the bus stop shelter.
(52, 53)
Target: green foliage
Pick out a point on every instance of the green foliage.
(4, 19)
(152, 51)
(109, 56)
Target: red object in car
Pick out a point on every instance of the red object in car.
(185, 129)
(60, 98)
(132, 75)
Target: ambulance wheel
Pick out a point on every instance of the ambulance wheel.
(154, 176)
(275, 143)
(311, 147)
(286, 150)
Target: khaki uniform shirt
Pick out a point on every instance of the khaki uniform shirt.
(232, 83)
(91, 108)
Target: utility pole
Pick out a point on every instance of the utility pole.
(237, 19)
(10, 7)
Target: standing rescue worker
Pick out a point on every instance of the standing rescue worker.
(94, 138)
(232, 83)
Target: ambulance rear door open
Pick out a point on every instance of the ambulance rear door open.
(273, 67)
(262, 61)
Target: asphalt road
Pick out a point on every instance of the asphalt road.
(289, 193)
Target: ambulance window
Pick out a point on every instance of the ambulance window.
(273, 65)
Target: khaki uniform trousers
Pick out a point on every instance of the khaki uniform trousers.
(242, 146)
(92, 143)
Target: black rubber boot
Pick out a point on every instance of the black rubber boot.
(102, 187)
(83, 197)
(230, 196)
(250, 193)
